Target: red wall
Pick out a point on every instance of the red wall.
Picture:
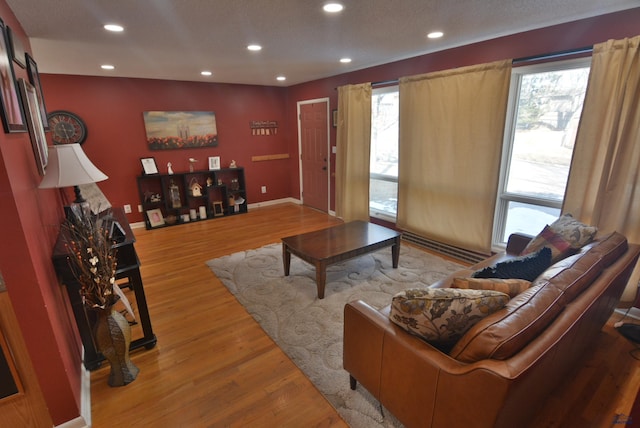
(113, 110)
(29, 224)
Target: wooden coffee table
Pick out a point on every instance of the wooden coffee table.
(335, 244)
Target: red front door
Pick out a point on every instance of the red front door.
(314, 155)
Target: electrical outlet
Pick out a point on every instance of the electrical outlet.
(139, 208)
(127, 209)
(264, 189)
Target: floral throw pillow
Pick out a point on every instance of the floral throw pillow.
(576, 233)
(442, 315)
(510, 286)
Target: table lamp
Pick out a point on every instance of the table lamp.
(67, 166)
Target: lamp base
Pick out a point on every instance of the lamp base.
(79, 198)
(82, 206)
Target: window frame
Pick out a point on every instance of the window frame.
(503, 197)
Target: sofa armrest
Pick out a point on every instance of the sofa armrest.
(420, 385)
(364, 330)
(517, 242)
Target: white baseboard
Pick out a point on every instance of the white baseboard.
(85, 394)
(84, 420)
(78, 422)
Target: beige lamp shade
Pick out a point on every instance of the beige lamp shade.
(69, 166)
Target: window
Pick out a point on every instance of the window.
(545, 104)
(383, 182)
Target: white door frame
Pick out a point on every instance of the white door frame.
(299, 103)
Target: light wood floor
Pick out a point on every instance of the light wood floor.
(213, 365)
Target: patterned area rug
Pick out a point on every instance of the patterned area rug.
(309, 330)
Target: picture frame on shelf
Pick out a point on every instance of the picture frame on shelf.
(218, 209)
(34, 124)
(155, 217)
(214, 163)
(12, 118)
(149, 166)
(34, 79)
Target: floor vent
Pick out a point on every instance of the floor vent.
(446, 249)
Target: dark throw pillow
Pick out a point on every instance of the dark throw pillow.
(527, 267)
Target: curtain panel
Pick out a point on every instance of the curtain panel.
(451, 134)
(353, 148)
(604, 180)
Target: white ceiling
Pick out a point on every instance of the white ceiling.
(176, 39)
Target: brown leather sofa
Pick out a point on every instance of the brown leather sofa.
(502, 370)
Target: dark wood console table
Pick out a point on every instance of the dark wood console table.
(128, 266)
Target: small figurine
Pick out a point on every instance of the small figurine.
(192, 161)
(169, 170)
(209, 181)
(232, 164)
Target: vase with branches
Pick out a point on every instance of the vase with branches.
(92, 261)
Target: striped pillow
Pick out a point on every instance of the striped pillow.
(560, 247)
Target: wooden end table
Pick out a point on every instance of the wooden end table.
(335, 244)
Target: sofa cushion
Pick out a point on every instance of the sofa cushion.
(560, 247)
(443, 315)
(504, 333)
(523, 267)
(510, 286)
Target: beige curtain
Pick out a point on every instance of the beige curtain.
(353, 147)
(451, 133)
(604, 180)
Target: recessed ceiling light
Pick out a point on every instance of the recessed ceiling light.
(435, 35)
(107, 67)
(254, 47)
(345, 60)
(206, 73)
(333, 7)
(281, 78)
(114, 27)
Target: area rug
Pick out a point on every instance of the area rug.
(309, 330)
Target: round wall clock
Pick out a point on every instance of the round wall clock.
(66, 127)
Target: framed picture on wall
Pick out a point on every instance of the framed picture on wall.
(34, 79)
(34, 124)
(17, 50)
(168, 130)
(12, 118)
